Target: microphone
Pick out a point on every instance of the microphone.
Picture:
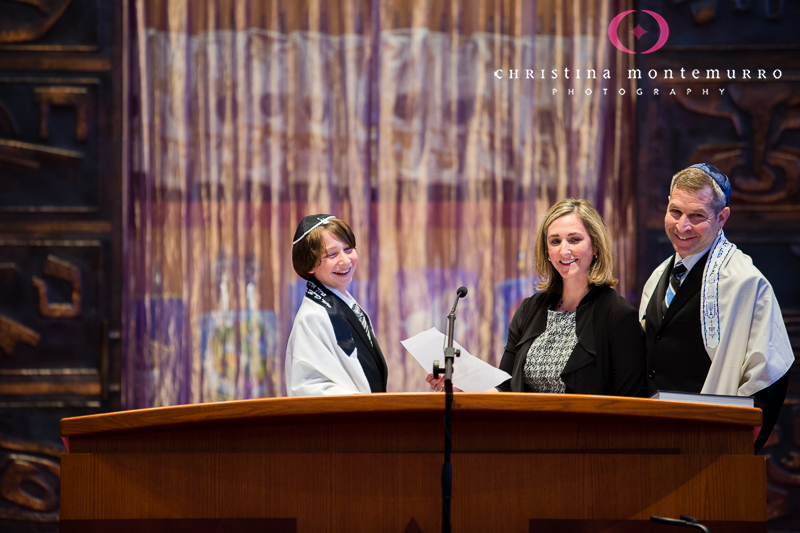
(449, 353)
(684, 521)
(460, 293)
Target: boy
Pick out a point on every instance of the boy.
(332, 348)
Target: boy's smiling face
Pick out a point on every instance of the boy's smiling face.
(338, 263)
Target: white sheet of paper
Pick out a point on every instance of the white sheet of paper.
(470, 374)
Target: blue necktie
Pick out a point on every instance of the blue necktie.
(675, 281)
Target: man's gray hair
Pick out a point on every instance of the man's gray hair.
(695, 180)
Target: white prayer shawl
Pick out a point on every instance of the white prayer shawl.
(315, 363)
(743, 329)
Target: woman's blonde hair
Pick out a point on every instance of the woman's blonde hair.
(600, 272)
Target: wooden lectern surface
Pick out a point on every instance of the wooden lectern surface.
(372, 463)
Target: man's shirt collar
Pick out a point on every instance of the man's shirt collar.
(691, 260)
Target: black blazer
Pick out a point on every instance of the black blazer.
(676, 355)
(609, 357)
(369, 353)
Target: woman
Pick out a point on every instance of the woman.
(577, 335)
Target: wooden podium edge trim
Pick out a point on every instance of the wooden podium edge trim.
(377, 406)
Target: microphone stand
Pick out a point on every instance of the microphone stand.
(684, 521)
(450, 354)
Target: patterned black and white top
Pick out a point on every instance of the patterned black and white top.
(549, 353)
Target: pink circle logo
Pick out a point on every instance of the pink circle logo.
(638, 31)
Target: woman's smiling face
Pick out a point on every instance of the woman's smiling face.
(570, 248)
(338, 263)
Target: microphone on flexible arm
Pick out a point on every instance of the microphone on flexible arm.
(449, 357)
(460, 293)
(449, 351)
(684, 521)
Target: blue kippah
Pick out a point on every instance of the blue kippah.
(720, 178)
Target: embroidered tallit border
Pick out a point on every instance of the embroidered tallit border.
(709, 301)
(317, 294)
(341, 328)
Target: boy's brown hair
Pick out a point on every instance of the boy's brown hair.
(307, 253)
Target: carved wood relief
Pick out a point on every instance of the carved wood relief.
(65, 270)
(49, 144)
(51, 314)
(763, 169)
(49, 25)
(29, 481)
(60, 169)
(783, 464)
(74, 97)
(12, 332)
(23, 26)
(749, 130)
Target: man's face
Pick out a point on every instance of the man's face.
(690, 222)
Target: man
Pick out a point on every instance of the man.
(711, 320)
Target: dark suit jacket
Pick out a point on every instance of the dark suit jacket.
(676, 355)
(609, 357)
(369, 354)
(677, 359)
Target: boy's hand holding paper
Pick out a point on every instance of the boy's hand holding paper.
(473, 375)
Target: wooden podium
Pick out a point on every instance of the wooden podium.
(521, 462)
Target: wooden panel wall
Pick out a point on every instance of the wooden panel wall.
(750, 129)
(60, 238)
(60, 204)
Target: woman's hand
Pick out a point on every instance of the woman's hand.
(438, 384)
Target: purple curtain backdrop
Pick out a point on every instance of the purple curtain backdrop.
(245, 116)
